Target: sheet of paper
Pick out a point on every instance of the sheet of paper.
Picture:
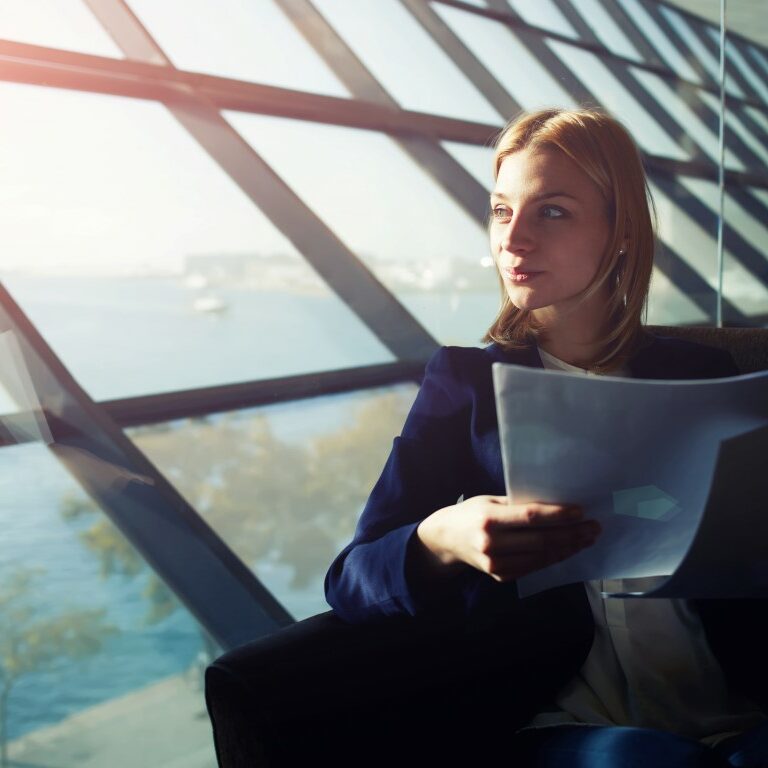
(638, 455)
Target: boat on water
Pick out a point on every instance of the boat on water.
(209, 304)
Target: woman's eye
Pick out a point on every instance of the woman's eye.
(552, 212)
(501, 212)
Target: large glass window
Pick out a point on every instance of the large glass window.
(413, 235)
(143, 264)
(284, 485)
(239, 39)
(406, 60)
(66, 24)
(499, 48)
(96, 657)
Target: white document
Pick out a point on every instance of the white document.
(676, 472)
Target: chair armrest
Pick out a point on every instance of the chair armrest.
(322, 688)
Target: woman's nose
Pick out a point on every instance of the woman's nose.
(517, 235)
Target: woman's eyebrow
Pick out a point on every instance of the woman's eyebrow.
(542, 196)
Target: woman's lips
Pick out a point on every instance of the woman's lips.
(519, 275)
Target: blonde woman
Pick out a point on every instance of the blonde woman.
(641, 683)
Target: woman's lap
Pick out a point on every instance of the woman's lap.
(579, 746)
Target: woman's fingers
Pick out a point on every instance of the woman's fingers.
(500, 513)
(519, 540)
(512, 567)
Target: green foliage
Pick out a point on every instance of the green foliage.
(32, 640)
(268, 498)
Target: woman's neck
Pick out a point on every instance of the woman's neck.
(575, 338)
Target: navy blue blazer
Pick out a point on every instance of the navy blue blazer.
(449, 447)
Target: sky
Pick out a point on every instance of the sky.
(94, 184)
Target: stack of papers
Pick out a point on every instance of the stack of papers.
(676, 472)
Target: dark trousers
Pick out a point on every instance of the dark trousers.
(578, 746)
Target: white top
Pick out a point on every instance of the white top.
(650, 664)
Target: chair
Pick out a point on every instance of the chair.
(402, 691)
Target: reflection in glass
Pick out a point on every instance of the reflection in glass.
(544, 14)
(284, 485)
(244, 40)
(64, 24)
(613, 95)
(103, 664)
(405, 59)
(680, 230)
(759, 57)
(610, 34)
(144, 265)
(699, 246)
(747, 71)
(391, 214)
(735, 124)
(500, 50)
(476, 160)
(758, 115)
(684, 28)
(666, 97)
(668, 305)
(648, 28)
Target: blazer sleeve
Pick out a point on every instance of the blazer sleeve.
(372, 576)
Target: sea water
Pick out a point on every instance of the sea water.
(122, 337)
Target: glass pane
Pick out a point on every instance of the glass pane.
(668, 305)
(103, 666)
(739, 284)
(646, 26)
(413, 236)
(476, 160)
(744, 289)
(545, 14)
(694, 126)
(598, 77)
(64, 24)
(501, 51)
(284, 485)
(685, 29)
(405, 59)
(734, 126)
(607, 30)
(695, 243)
(143, 264)
(237, 38)
(760, 57)
(760, 117)
(736, 62)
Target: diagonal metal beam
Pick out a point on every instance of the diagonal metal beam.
(425, 151)
(51, 67)
(351, 280)
(217, 588)
(636, 36)
(475, 71)
(498, 10)
(741, 250)
(654, 10)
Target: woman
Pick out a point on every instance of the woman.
(676, 683)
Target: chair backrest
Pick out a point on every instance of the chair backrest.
(748, 346)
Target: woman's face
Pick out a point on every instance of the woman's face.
(549, 229)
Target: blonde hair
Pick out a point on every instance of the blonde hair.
(602, 148)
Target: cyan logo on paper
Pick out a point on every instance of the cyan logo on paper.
(647, 501)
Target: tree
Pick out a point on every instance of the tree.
(293, 502)
(32, 641)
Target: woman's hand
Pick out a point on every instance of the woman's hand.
(505, 540)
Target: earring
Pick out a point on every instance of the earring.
(622, 252)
